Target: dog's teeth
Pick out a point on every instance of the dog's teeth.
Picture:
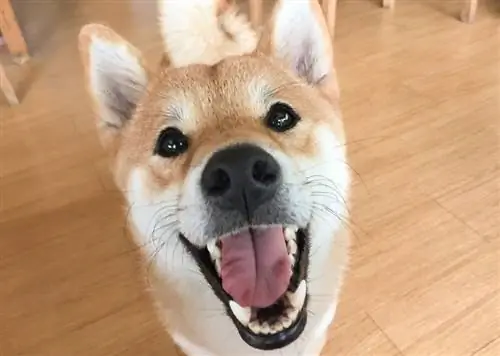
(286, 322)
(255, 327)
(265, 329)
(242, 314)
(289, 234)
(277, 327)
(298, 298)
(274, 328)
(292, 247)
(296, 303)
(217, 266)
(213, 249)
(295, 228)
(292, 260)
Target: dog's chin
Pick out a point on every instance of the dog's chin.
(275, 326)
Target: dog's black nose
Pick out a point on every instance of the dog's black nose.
(241, 177)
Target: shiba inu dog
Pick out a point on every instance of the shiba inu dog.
(231, 157)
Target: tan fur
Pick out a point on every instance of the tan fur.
(232, 121)
(217, 96)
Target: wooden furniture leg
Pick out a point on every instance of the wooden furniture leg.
(329, 8)
(11, 32)
(256, 13)
(469, 12)
(389, 4)
(6, 87)
(330, 11)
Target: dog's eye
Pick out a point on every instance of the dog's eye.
(171, 143)
(281, 118)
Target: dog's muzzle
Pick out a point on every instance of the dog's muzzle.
(256, 258)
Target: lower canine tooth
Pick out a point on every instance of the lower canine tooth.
(298, 298)
(213, 249)
(217, 266)
(292, 247)
(242, 314)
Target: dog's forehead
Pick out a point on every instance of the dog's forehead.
(233, 85)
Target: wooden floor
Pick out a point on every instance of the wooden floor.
(421, 99)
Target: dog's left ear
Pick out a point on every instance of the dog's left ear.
(115, 74)
(298, 35)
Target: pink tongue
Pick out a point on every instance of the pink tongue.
(255, 269)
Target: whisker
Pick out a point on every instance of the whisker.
(152, 258)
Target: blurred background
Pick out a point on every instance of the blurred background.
(420, 94)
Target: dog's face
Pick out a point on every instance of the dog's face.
(237, 166)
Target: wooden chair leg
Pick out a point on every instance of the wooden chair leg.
(389, 4)
(330, 11)
(6, 88)
(329, 8)
(469, 12)
(256, 13)
(11, 32)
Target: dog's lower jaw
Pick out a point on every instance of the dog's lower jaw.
(316, 340)
(314, 347)
(212, 332)
(197, 319)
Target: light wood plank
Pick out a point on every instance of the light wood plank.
(420, 102)
(472, 327)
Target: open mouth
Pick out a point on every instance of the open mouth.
(260, 274)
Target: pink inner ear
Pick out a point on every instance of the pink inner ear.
(301, 38)
(116, 76)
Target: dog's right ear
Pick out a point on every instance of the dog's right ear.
(115, 75)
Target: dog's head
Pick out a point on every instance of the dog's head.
(240, 160)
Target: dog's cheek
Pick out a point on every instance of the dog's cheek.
(329, 185)
(294, 192)
(193, 210)
(151, 211)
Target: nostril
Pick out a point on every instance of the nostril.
(265, 173)
(220, 182)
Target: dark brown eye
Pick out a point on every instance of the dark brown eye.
(171, 143)
(281, 118)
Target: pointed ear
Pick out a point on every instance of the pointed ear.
(298, 35)
(115, 74)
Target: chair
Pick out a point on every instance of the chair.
(13, 37)
(469, 11)
(6, 87)
(329, 8)
(468, 14)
